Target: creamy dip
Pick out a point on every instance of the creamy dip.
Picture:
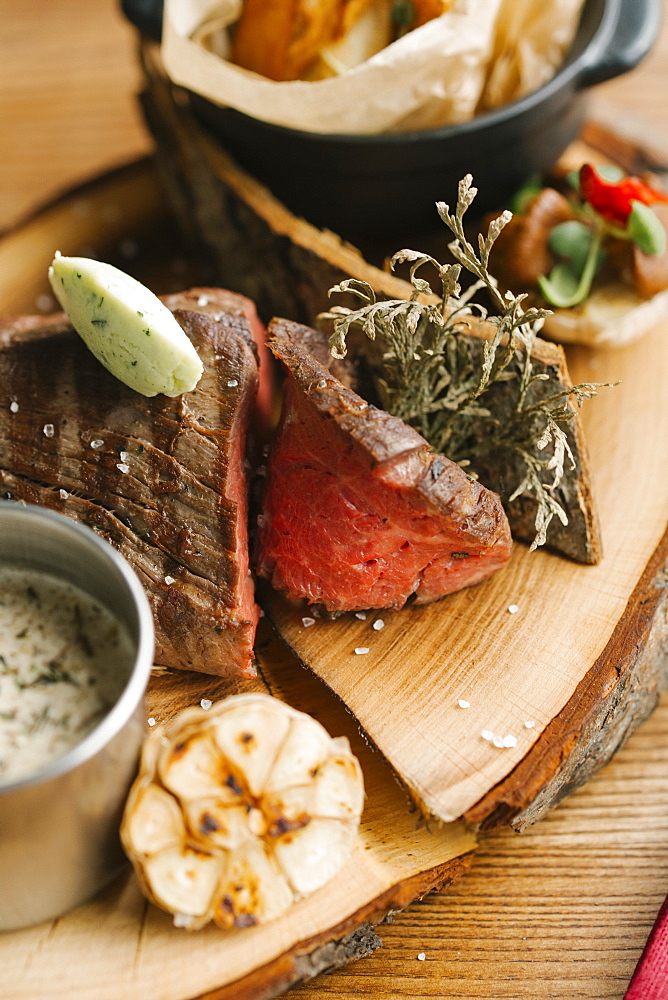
(64, 660)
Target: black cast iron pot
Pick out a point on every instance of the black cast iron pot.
(382, 185)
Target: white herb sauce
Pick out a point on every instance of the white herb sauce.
(64, 660)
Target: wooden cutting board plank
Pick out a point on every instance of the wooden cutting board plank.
(573, 623)
(118, 947)
(586, 652)
(264, 979)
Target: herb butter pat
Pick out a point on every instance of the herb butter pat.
(126, 326)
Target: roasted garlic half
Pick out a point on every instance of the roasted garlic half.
(240, 810)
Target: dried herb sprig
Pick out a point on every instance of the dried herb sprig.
(441, 382)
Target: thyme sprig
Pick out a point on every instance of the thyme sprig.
(446, 385)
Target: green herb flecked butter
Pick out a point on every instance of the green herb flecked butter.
(126, 326)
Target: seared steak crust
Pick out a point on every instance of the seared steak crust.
(162, 479)
(357, 511)
(219, 302)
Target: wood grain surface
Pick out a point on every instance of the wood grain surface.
(580, 697)
(117, 947)
(561, 911)
(577, 632)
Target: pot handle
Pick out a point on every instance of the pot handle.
(627, 33)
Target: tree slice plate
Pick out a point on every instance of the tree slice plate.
(119, 947)
(94, 948)
(584, 652)
(579, 652)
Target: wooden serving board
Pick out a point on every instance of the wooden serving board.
(118, 947)
(582, 657)
(585, 653)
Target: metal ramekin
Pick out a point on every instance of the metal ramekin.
(59, 826)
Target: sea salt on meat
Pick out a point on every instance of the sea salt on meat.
(176, 504)
(64, 661)
(357, 510)
(219, 302)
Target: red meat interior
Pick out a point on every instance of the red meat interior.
(337, 534)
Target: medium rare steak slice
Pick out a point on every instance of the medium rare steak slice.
(357, 511)
(162, 479)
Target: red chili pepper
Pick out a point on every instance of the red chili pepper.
(613, 200)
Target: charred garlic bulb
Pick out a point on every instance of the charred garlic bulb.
(240, 810)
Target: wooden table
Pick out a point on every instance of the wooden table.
(561, 911)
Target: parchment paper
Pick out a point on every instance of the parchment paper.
(432, 76)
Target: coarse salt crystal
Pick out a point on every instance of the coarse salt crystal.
(122, 467)
(529, 724)
(151, 721)
(361, 615)
(124, 456)
(509, 741)
(322, 383)
(63, 494)
(232, 383)
(421, 957)
(203, 300)
(307, 622)
(44, 303)
(498, 741)
(361, 650)
(206, 703)
(378, 625)
(169, 580)
(513, 608)
(97, 443)
(48, 430)
(463, 703)
(487, 734)
(14, 406)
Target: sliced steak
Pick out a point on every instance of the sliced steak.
(216, 302)
(162, 479)
(358, 511)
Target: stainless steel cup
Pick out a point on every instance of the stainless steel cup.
(59, 826)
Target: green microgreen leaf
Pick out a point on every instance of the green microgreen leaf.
(571, 240)
(558, 290)
(645, 229)
(610, 172)
(561, 285)
(529, 190)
